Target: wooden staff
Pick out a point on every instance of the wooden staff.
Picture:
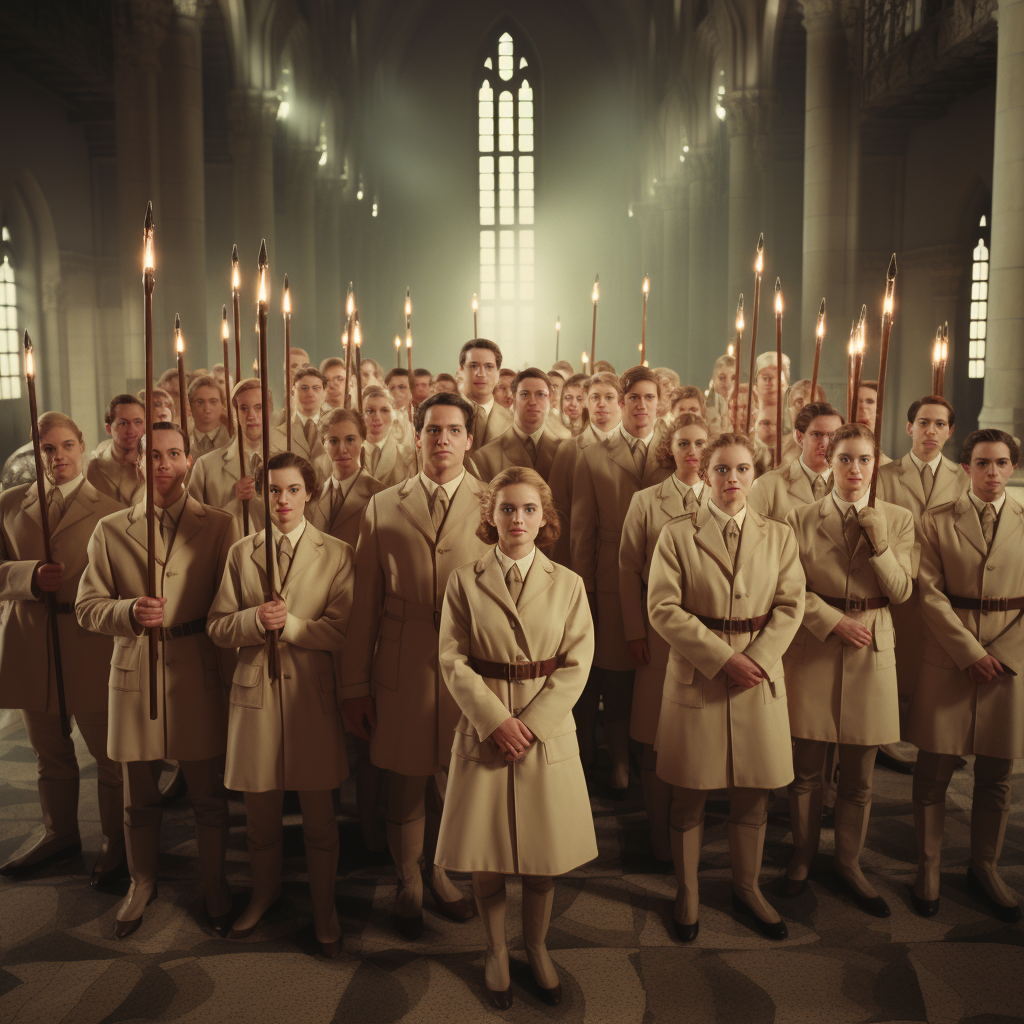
(236, 285)
(643, 329)
(850, 347)
(558, 331)
(476, 306)
(584, 362)
(179, 349)
(286, 311)
(357, 337)
(408, 335)
(758, 271)
(350, 307)
(739, 351)
(148, 284)
(858, 360)
(49, 596)
(778, 372)
(595, 295)
(819, 337)
(883, 358)
(224, 334)
(273, 655)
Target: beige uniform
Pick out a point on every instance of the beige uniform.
(109, 477)
(394, 464)
(780, 491)
(338, 511)
(305, 439)
(511, 450)
(203, 444)
(560, 480)
(557, 427)
(488, 426)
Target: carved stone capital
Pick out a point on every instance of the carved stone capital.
(747, 112)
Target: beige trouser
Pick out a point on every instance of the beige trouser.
(265, 834)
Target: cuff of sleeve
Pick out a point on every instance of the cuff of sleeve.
(133, 623)
(823, 622)
(712, 662)
(975, 653)
(485, 726)
(259, 625)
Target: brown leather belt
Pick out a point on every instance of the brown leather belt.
(516, 672)
(734, 625)
(183, 629)
(986, 604)
(852, 604)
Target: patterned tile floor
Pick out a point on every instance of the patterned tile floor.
(59, 960)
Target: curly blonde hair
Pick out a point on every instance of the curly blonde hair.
(551, 529)
(663, 453)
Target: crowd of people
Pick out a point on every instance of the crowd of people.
(478, 574)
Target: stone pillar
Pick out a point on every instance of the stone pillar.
(297, 246)
(828, 187)
(1004, 368)
(182, 286)
(674, 289)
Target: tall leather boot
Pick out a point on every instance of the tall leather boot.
(406, 843)
(746, 848)
(142, 844)
(112, 860)
(805, 821)
(538, 899)
(60, 840)
(617, 735)
(492, 916)
(266, 865)
(851, 830)
(322, 865)
(212, 846)
(988, 827)
(686, 847)
(929, 822)
(657, 800)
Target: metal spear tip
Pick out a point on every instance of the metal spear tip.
(890, 275)
(263, 261)
(760, 242)
(286, 280)
(177, 322)
(945, 331)
(149, 217)
(821, 309)
(234, 254)
(739, 305)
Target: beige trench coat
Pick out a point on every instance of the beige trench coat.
(948, 713)
(221, 439)
(780, 491)
(27, 677)
(508, 450)
(532, 818)
(603, 486)
(487, 427)
(300, 446)
(648, 513)
(119, 482)
(192, 675)
(346, 521)
(287, 734)
(711, 735)
(560, 479)
(837, 692)
(397, 463)
(402, 569)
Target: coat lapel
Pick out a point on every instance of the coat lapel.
(751, 537)
(912, 480)
(413, 502)
(1008, 531)
(465, 503)
(80, 507)
(672, 504)
(830, 522)
(137, 525)
(619, 453)
(30, 506)
(949, 483)
(546, 452)
(259, 557)
(306, 555)
(797, 483)
(535, 588)
(490, 579)
(708, 536)
(193, 516)
(968, 525)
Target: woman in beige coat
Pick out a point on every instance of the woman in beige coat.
(648, 513)
(386, 459)
(287, 733)
(841, 667)
(727, 593)
(516, 645)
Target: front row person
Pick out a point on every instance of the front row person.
(841, 668)
(969, 698)
(516, 646)
(287, 733)
(727, 592)
(190, 726)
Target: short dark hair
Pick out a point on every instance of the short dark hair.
(506, 373)
(915, 408)
(635, 374)
(989, 436)
(330, 362)
(810, 412)
(398, 371)
(443, 398)
(308, 371)
(289, 460)
(480, 343)
(111, 413)
(204, 381)
(170, 425)
(530, 373)
(420, 372)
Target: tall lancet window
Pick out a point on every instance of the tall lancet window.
(10, 350)
(979, 303)
(506, 158)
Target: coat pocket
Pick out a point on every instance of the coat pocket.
(247, 687)
(776, 689)
(328, 693)
(125, 665)
(469, 748)
(885, 648)
(934, 655)
(561, 748)
(385, 661)
(687, 695)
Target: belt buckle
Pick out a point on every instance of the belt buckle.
(993, 604)
(855, 604)
(176, 631)
(519, 671)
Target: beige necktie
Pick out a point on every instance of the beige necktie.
(690, 499)
(531, 450)
(255, 461)
(284, 560)
(927, 482)
(337, 499)
(166, 532)
(310, 433)
(514, 582)
(988, 523)
(438, 507)
(374, 460)
(818, 488)
(851, 529)
(55, 508)
(640, 457)
(204, 444)
(732, 539)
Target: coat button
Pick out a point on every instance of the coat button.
(517, 711)
(442, 551)
(989, 568)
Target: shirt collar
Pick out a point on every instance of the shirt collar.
(535, 436)
(935, 463)
(487, 406)
(304, 419)
(370, 445)
(344, 485)
(598, 432)
(449, 488)
(174, 512)
(980, 505)
(845, 506)
(684, 489)
(722, 519)
(506, 563)
(293, 537)
(825, 474)
(631, 439)
(66, 490)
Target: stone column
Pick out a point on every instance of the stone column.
(297, 246)
(1004, 368)
(330, 289)
(674, 289)
(704, 323)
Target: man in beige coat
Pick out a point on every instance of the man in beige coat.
(479, 363)
(529, 441)
(970, 694)
(308, 388)
(27, 676)
(208, 433)
(190, 726)
(412, 537)
(119, 471)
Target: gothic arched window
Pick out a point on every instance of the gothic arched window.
(979, 303)
(506, 169)
(10, 351)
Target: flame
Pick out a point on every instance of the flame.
(408, 304)
(759, 263)
(147, 257)
(596, 293)
(647, 285)
(640, 347)
(30, 363)
(558, 325)
(820, 330)
(585, 360)
(224, 327)
(262, 297)
(475, 304)
(945, 351)
(350, 304)
(179, 344)
(731, 350)
(286, 302)
(936, 352)
(740, 323)
(778, 303)
(357, 335)
(887, 304)
(398, 343)
(408, 340)
(236, 279)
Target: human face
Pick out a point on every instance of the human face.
(667, 384)
(62, 454)
(640, 408)
(768, 385)
(206, 409)
(852, 466)
(532, 403)
(797, 400)
(163, 410)
(368, 374)
(741, 403)
(814, 441)
(168, 464)
(343, 442)
(377, 413)
(990, 469)
(767, 428)
(288, 497)
(218, 375)
(444, 442)
(556, 389)
(297, 358)
(929, 431)
(334, 393)
(399, 388)
(603, 406)
(724, 379)
(480, 371)
(503, 392)
(309, 394)
(518, 517)
(250, 414)
(444, 385)
(128, 428)
(867, 403)
(572, 403)
(730, 474)
(686, 405)
(687, 443)
(420, 389)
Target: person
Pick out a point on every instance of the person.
(739, 401)
(573, 403)
(222, 377)
(168, 381)
(190, 727)
(444, 382)
(479, 363)
(308, 388)
(669, 381)
(412, 537)
(607, 476)
(798, 394)
(841, 667)
(298, 357)
(970, 692)
(529, 441)
(723, 379)
(397, 382)
(603, 366)
(766, 430)
(287, 732)
(163, 405)
(807, 479)
(421, 380)
(119, 472)
(516, 645)
(333, 370)
(28, 680)
(371, 372)
(867, 405)
(206, 403)
(503, 389)
(555, 424)
(383, 457)
(649, 511)
(687, 399)
(726, 592)
(767, 386)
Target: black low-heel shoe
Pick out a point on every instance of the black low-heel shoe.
(1008, 915)
(686, 932)
(500, 1000)
(551, 996)
(769, 930)
(926, 908)
(873, 905)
